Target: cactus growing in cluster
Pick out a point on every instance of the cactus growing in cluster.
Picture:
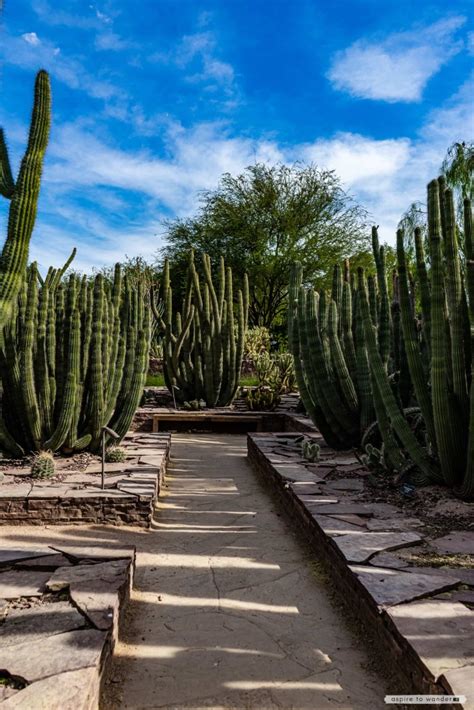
(73, 360)
(310, 450)
(330, 358)
(203, 344)
(23, 195)
(415, 372)
(115, 454)
(43, 465)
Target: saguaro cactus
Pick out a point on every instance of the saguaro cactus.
(204, 344)
(23, 195)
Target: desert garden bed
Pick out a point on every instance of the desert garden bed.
(60, 615)
(401, 562)
(74, 494)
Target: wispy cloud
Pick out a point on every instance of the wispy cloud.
(197, 55)
(56, 16)
(135, 191)
(111, 41)
(29, 52)
(397, 67)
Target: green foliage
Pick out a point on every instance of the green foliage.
(275, 376)
(260, 222)
(204, 343)
(115, 454)
(43, 465)
(73, 359)
(23, 195)
(257, 341)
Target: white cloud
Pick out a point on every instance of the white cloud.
(134, 191)
(29, 54)
(198, 54)
(398, 67)
(111, 41)
(31, 38)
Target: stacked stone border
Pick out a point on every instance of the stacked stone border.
(425, 640)
(129, 497)
(61, 611)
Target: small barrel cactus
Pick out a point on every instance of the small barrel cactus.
(43, 465)
(310, 450)
(115, 454)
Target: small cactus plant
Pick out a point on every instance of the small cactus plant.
(310, 450)
(115, 454)
(43, 465)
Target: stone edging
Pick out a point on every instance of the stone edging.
(128, 499)
(426, 640)
(61, 610)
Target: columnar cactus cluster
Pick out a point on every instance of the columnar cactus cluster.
(73, 360)
(204, 343)
(23, 195)
(363, 364)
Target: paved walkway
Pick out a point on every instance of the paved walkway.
(229, 611)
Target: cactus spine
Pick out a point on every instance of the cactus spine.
(204, 344)
(23, 195)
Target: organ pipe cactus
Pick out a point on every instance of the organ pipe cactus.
(204, 343)
(73, 360)
(431, 354)
(444, 391)
(330, 358)
(23, 195)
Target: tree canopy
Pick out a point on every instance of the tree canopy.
(263, 220)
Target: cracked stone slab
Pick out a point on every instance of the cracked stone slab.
(358, 547)
(112, 573)
(22, 583)
(95, 553)
(458, 542)
(9, 556)
(346, 484)
(400, 524)
(391, 586)
(364, 509)
(391, 560)
(50, 561)
(441, 632)
(332, 526)
(72, 690)
(98, 600)
(54, 654)
(353, 519)
(30, 624)
(294, 472)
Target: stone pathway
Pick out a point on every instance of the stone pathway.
(229, 610)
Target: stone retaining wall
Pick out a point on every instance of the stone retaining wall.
(426, 638)
(128, 499)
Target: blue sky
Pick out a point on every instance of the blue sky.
(152, 101)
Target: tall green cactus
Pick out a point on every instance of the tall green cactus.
(23, 195)
(73, 360)
(330, 355)
(204, 344)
